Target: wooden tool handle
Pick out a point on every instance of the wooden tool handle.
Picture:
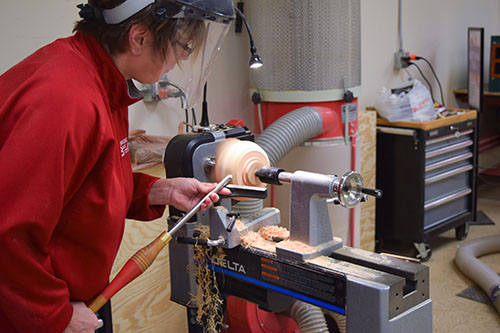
(143, 258)
(134, 267)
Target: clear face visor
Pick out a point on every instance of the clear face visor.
(196, 45)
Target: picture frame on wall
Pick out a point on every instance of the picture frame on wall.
(475, 56)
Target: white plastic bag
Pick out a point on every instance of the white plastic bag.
(412, 105)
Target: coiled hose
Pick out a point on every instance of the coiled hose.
(308, 317)
(289, 131)
(339, 319)
(476, 270)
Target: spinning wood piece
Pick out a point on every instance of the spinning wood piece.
(240, 159)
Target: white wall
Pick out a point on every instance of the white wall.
(434, 29)
(26, 25)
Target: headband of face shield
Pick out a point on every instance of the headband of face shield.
(214, 10)
(200, 28)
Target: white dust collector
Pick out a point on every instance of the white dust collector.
(312, 77)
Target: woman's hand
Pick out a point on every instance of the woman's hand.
(183, 193)
(83, 319)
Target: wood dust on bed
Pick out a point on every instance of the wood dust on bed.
(267, 237)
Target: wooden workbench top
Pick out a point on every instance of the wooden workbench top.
(428, 125)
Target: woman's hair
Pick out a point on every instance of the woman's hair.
(115, 36)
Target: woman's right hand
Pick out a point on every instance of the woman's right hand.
(83, 319)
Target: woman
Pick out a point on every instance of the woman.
(67, 184)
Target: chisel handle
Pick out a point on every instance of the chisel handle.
(134, 267)
(143, 258)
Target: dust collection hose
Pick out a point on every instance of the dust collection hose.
(289, 131)
(476, 270)
(308, 317)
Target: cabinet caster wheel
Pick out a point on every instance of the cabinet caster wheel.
(462, 231)
(423, 251)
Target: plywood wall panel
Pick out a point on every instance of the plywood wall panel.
(368, 145)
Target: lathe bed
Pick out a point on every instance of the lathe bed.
(372, 290)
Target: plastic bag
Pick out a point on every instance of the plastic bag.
(414, 104)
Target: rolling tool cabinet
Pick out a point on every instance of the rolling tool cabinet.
(427, 172)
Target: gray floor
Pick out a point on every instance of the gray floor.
(452, 313)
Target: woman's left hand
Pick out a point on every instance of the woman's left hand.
(183, 193)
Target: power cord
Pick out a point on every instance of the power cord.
(434, 73)
(423, 76)
(406, 60)
(193, 113)
(186, 111)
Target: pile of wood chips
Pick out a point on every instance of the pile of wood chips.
(208, 300)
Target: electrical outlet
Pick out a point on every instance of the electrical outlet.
(401, 60)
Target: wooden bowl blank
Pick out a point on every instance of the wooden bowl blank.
(240, 159)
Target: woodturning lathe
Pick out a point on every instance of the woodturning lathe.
(374, 292)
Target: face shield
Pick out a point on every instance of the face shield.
(196, 39)
(195, 55)
(196, 29)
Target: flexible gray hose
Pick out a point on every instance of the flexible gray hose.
(476, 270)
(339, 319)
(289, 131)
(249, 207)
(309, 318)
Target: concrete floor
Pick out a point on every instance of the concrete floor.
(452, 313)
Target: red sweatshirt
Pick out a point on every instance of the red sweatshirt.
(66, 181)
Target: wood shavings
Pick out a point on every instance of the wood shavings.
(274, 233)
(268, 236)
(255, 240)
(239, 225)
(208, 300)
(297, 246)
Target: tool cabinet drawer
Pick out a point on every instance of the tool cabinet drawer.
(449, 142)
(446, 208)
(447, 181)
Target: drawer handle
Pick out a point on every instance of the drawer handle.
(396, 131)
(448, 174)
(448, 149)
(449, 161)
(448, 198)
(448, 137)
